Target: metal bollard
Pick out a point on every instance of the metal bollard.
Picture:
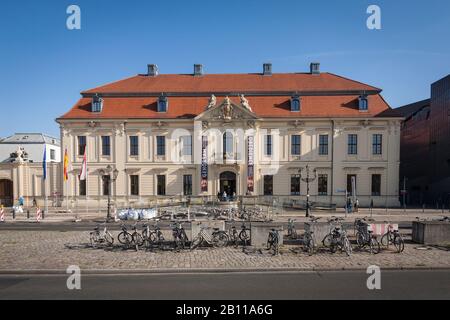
(43, 214)
(28, 214)
(14, 214)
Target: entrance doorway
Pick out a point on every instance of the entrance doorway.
(227, 184)
(6, 192)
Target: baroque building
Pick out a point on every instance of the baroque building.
(171, 135)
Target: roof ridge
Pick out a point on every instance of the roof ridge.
(356, 81)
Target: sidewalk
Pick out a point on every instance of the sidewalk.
(55, 250)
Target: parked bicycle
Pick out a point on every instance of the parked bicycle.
(100, 237)
(217, 239)
(309, 244)
(242, 236)
(179, 235)
(333, 222)
(292, 232)
(130, 239)
(152, 238)
(393, 236)
(273, 241)
(337, 238)
(365, 236)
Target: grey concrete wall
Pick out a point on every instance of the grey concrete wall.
(431, 232)
(260, 234)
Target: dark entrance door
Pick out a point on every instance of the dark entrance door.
(227, 183)
(6, 192)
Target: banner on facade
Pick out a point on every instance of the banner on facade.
(250, 164)
(204, 165)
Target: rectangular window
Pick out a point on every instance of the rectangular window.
(352, 144)
(295, 145)
(323, 144)
(134, 145)
(160, 145)
(134, 185)
(295, 184)
(106, 182)
(376, 184)
(161, 185)
(186, 145)
(377, 140)
(349, 183)
(268, 185)
(82, 187)
(268, 145)
(322, 187)
(106, 145)
(363, 103)
(187, 184)
(81, 145)
(295, 104)
(52, 154)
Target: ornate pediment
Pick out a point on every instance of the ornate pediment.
(227, 110)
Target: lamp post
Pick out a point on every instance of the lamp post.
(106, 177)
(308, 178)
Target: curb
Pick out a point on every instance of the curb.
(208, 271)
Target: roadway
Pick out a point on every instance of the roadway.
(402, 284)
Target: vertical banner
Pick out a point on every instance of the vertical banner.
(250, 164)
(354, 187)
(204, 165)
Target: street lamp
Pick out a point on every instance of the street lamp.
(309, 178)
(106, 177)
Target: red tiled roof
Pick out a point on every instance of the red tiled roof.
(322, 95)
(262, 106)
(241, 83)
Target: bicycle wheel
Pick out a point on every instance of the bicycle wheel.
(244, 236)
(270, 241)
(374, 246)
(347, 246)
(387, 239)
(310, 246)
(93, 239)
(137, 239)
(399, 243)
(360, 240)
(122, 237)
(109, 238)
(196, 242)
(144, 234)
(220, 239)
(327, 241)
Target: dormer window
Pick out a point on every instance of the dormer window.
(163, 104)
(295, 103)
(97, 104)
(363, 103)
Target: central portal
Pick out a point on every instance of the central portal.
(227, 184)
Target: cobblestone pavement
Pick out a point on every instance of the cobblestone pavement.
(39, 250)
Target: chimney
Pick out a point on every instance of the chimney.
(267, 69)
(314, 68)
(198, 69)
(152, 70)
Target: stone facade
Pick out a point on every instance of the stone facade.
(242, 118)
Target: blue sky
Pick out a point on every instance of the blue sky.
(44, 66)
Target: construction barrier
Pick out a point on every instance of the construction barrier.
(380, 229)
(38, 214)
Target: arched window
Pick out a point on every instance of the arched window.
(227, 143)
